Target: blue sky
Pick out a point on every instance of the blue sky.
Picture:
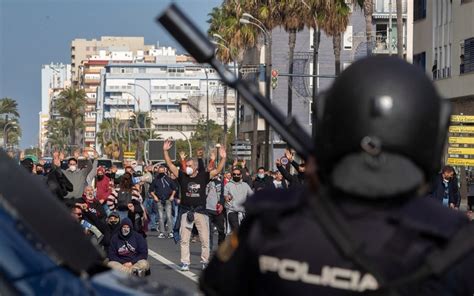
(37, 32)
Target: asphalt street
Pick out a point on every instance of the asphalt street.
(164, 258)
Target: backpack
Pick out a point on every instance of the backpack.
(123, 199)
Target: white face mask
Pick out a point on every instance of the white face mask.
(189, 171)
(125, 231)
(73, 168)
(261, 176)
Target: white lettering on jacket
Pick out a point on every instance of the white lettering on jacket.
(334, 277)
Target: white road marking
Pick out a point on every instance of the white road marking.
(190, 275)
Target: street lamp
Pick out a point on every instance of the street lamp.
(207, 115)
(225, 86)
(248, 19)
(149, 99)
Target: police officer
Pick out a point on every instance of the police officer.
(361, 224)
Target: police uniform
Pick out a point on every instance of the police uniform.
(368, 229)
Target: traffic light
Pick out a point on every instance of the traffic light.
(274, 78)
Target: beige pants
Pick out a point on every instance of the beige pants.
(140, 265)
(202, 224)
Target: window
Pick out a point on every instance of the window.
(419, 10)
(141, 70)
(348, 38)
(467, 56)
(420, 60)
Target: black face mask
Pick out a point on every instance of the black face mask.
(236, 179)
(161, 175)
(39, 172)
(111, 175)
(100, 177)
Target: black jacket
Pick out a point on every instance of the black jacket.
(282, 249)
(437, 190)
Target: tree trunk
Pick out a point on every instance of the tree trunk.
(73, 133)
(254, 141)
(336, 42)
(225, 116)
(291, 44)
(5, 140)
(399, 29)
(368, 10)
(316, 41)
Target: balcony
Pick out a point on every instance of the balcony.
(92, 81)
(92, 71)
(382, 46)
(442, 73)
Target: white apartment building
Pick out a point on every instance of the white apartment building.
(82, 49)
(176, 95)
(444, 47)
(54, 78)
(89, 76)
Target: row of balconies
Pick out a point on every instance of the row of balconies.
(442, 73)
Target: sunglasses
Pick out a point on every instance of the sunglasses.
(237, 175)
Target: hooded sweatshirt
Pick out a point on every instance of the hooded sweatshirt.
(130, 248)
(78, 180)
(238, 191)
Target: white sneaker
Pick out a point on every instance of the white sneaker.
(170, 235)
(184, 267)
(161, 235)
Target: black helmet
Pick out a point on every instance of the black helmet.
(381, 128)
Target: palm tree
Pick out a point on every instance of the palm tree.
(58, 133)
(9, 107)
(225, 21)
(218, 18)
(399, 29)
(291, 13)
(110, 138)
(368, 8)
(141, 120)
(334, 21)
(71, 105)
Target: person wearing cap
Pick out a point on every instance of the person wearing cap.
(29, 165)
(113, 222)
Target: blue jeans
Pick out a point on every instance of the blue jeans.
(165, 206)
(151, 208)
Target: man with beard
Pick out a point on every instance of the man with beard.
(113, 222)
(128, 250)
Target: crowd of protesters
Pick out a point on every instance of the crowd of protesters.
(188, 200)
